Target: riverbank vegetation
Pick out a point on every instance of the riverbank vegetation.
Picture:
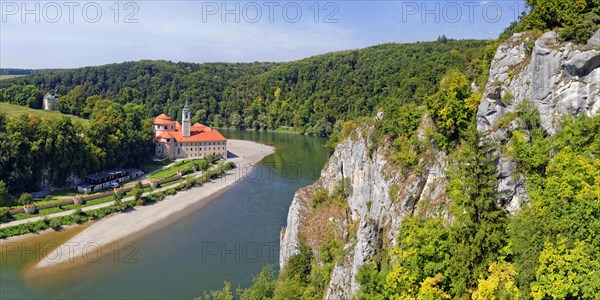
(183, 167)
(80, 216)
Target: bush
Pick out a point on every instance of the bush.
(319, 197)
(229, 165)
(393, 192)
(331, 251)
(300, 264)
(55, 223)
(4, 214)
(25, 199)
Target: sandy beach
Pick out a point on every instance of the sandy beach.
(143, 219)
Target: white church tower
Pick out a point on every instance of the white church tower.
(185, 120)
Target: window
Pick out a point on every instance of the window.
(165, 127)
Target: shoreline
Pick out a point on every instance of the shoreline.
(144, 219)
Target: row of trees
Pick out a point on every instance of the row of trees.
(25, 95)
(575, 20)
(34, 149)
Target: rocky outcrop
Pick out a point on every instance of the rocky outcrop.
(374, 213)
(558, 79)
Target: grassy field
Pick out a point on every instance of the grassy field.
(172, 171)
(9, 76)
(13, 110)
(155, 165)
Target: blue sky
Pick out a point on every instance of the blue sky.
(40, 34)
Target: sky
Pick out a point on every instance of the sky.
(69, 34)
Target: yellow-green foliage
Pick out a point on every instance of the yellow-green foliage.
(319, 197)
(566, 272)
(393, 192)
(452, 108)
(499, 284)
(565, 200)
(431, 289)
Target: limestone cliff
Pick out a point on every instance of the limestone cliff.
(374, 211)
(557, 78)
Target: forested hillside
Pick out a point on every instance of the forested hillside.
(33, 149)
(310, 95)
(9, 71)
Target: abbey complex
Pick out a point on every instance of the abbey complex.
(174, 140)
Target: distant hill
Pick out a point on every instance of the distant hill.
(310, 95)
(8, 71)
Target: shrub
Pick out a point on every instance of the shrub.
(4, 214)
(300, 264)
(25, 199)
(319, 197)
(332, 251)
(229, 165)
(393, 192)
(55, 223)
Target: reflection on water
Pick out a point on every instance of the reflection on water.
(230, 238)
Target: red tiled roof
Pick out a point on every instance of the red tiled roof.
(163, 116)
(162, 122)
(198, 126)
(167, 135)
(198, 133)
(162, 119)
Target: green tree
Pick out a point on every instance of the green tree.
(479, 228)
(263, 286)
(25, 199)
(422, 253)
(118, 197)
(578, 19)
(566, 272)
(5, 199)
(138, 190)
(73, 102)
(452, 107)
(224, 294)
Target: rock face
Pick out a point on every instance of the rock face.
(374, 214)
(559, 79)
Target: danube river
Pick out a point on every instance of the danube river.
(230, 238)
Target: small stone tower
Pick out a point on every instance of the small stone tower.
(185, 120)
(49, 101)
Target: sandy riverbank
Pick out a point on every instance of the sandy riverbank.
(146, 218)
